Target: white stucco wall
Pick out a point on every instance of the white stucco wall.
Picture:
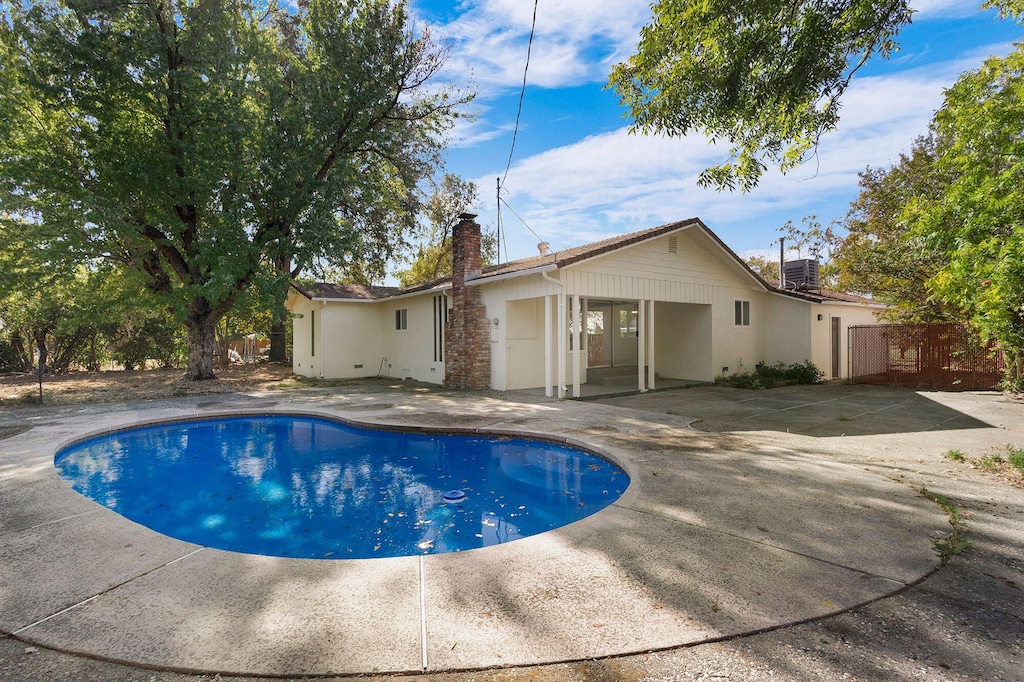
(409, 353)
(821, 333)
(682, 341)
(331, 339)
(788, 329)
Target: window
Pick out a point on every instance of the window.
(742, 313)
(312, 333)
(440, 317)
(401, 319)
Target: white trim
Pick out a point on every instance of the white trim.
(547, 347)
(650, 346)
(577, 343)
(795, 297)
(538, 270)
(561, 345)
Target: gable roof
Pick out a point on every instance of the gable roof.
(564, 258)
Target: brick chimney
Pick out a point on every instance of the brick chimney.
(468, 334)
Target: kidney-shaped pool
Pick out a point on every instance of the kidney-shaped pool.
(308, 487)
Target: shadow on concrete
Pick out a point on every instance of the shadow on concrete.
(829, 410)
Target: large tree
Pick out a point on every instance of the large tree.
(209, 144)
(765, 76)
(976, 222)
(452, 197)
(880, 255)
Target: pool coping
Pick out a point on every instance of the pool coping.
(617, 582)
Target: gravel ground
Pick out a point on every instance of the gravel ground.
(964, 622)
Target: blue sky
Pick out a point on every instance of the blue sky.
(577, 175)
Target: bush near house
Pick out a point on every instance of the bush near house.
(767, 376)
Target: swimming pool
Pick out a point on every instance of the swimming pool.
(309, 487)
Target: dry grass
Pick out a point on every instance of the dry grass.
(121, 386)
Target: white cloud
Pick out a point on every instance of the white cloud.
(932, 9)
(575, 42)
(616, 182)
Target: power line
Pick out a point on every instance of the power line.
(522, 93)
(502, 201)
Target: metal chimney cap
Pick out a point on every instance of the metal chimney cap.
(467, 216)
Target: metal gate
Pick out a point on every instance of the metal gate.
(940, 356)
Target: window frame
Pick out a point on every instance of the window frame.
(401, 319)
(741, 313)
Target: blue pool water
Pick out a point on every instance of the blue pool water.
(313, 488)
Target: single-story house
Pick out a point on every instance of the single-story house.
(670, 302)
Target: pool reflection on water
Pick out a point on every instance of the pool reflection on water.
(308, 487)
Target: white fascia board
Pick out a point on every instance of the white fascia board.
(794, 297)
(410, 294)
(509, 275)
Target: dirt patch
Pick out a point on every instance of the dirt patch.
(11, 431)
(125, 386)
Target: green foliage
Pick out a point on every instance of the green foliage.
(880, 255)
(940, 235)
(991, 462)
(956, 542)
(767, 268)
(767, 376)
(955, 455)
(434, 255)
(766, 76)
(212, 146)
(818, 242)
(1015, 456)
(976, 223)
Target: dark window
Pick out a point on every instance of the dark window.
(743, 313)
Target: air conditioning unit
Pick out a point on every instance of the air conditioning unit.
(802, 274)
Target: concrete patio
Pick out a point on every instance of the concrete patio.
(719, 535)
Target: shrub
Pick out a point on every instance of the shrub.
(767, 376)
(1016, 458)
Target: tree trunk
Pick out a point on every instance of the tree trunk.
(41, 347)
(202, 337)
(278, 331)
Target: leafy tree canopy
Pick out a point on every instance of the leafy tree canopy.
(433, 258)
(203, 143)
(765, 76)
(879, 255)
(976, 221)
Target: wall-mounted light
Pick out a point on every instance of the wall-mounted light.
(820, 317)
(495, 322)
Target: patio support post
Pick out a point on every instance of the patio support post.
(641, 343)
(577, 345)
(650, 347)
(547, 347)
(561, 345)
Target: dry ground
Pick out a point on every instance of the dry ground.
(153, 384)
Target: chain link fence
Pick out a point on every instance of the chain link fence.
(939, 356)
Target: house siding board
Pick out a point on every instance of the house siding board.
(648, 271)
